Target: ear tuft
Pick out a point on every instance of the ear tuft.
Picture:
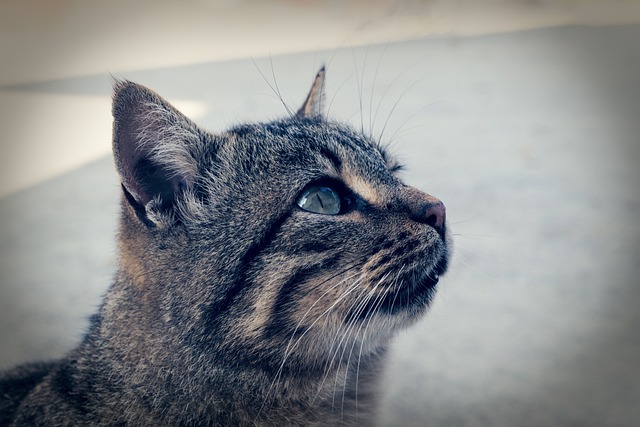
(313, 106)
(155, 148)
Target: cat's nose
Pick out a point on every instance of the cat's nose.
(426, 209)
(435, 215)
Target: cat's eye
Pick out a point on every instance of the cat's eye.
(320, 199)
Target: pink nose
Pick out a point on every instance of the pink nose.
(425, 209)
(436, 216)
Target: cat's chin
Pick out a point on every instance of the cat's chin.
(431, 280)
(415, 296)
(411, 299)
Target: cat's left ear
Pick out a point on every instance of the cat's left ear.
(156, 149)
(313, 106)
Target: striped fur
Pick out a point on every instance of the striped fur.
(231, 305)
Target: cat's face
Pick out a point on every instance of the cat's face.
(291, 239)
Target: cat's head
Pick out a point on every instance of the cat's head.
(292, 237)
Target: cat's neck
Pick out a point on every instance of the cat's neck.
(339, 392)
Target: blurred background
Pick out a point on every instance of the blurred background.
(523, 116)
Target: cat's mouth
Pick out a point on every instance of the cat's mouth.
(415, 294)
(431, 280)
(412, 295)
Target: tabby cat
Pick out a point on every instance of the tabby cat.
(262, 273)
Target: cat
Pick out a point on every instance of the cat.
(262, 274)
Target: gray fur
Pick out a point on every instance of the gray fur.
(231, 305)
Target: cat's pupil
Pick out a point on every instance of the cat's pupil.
(320, 199)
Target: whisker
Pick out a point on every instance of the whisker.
(364, 335)
(411, 117)
(275, 83)
(364, 324)
(359, 86)
(328, 364)
(475, 236)
(395, 105)
(289, 349)
(373, 86)
(391, 85)
(346, 336)
(275, 90)
(338, 91)
(351, 327)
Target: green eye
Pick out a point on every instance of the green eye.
(320, 199)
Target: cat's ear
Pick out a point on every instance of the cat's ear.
(314, 104)
(155, 149)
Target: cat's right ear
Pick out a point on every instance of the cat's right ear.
(155, 148)
(313, 106)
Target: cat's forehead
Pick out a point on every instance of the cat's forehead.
(308, 143)
(305, 150)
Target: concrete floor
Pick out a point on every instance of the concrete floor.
(531, 138)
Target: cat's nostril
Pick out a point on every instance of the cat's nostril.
(432, 220)
(435, 216)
